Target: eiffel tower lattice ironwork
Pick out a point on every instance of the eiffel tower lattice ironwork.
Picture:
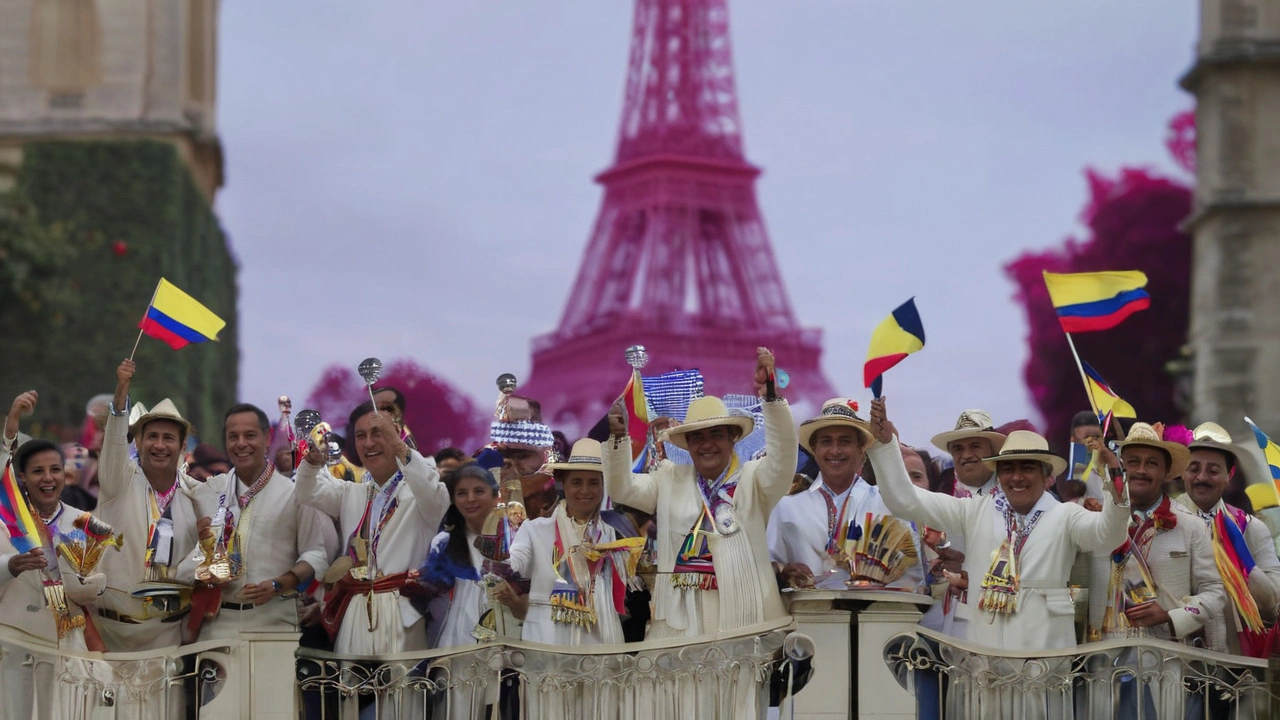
(679, 259)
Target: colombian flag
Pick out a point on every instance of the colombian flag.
(1269, 449)
(898, 336)
(1096, 301)
(637, 417)
(179, 319)
(1105, 400)
(15, 514)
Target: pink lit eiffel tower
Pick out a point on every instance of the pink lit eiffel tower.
(679, 260)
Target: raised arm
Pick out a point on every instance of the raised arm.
(113, 461)
(423, 479)
(637, 490)
(317, 489)
(778, 467)
(904, 499)
(1100, 531)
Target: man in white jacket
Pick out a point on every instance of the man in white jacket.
(1020, 541)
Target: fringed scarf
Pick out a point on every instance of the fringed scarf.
(1003, 580)
(578, 557)
(695, 562)
(1235, 562)
(1131, 583)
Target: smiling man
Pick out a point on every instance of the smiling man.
(713, 555)
(147, 502)
(1164, 537)
(811, 533)
(1211, 466)
(1021, 541)
(281, 544)
(386, 523)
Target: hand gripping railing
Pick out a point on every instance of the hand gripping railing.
(1132, 678)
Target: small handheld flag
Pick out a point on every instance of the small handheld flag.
(178, 319)
(1105, 400)
(637, 406)
(1086, 302)
(896, 337)
(1270, 450)
(15, 513)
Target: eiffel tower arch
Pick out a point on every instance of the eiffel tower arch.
(679, 259)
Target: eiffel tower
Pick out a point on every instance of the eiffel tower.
(679, 259)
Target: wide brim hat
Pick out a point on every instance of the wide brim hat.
(836, 412)
(585, 455)
(164, 410)
(707, 412)
(1026, 445)
(971, 423)
(1212, 436)
(1144, 435)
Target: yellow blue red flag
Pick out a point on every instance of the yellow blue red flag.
(1086, 302)
(179, 319)
(896, 337)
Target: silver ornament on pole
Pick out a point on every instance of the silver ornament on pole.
(507, 385)
(637, 356)
(305, 422)
(370, 370)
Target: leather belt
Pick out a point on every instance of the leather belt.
(118, 617)
(238, 606)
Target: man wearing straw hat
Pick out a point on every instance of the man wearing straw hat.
(815, 530)
(973, 438)
(1256, 597)
(1160, 580)
(713, 557)
(1021, 540)
(147, 502)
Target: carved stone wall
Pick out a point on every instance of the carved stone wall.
(1235, 323)
(80, 69)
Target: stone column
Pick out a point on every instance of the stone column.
(1235, 301)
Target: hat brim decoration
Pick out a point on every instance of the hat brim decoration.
(574, 463)
(676, 435)
(836, 416)
(942, 441)
(1212, 436)
(1057, 463)
(164, 410)
(521, 433)
(1179, 454)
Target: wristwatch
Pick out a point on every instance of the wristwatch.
(276, 586)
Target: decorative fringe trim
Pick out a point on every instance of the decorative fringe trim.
(999, 595)
(694, 581)
(567, 608)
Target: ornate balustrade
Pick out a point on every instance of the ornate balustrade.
(1133, 678)
(723, 676)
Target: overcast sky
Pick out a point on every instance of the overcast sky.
(412, 178)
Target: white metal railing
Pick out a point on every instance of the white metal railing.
(1131, 678)
(212, 679)
(723, 676)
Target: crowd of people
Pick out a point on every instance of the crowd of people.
(371, 546)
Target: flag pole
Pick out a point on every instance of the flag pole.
(144, 317)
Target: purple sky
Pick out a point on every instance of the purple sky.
(412, 179)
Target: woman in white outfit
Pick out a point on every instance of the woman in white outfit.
(456, 594)
(577, 565)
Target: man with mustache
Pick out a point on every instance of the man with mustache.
(1164, 569)
(1212, 465)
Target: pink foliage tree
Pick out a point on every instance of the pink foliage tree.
(437, 413)
(1133, 224)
